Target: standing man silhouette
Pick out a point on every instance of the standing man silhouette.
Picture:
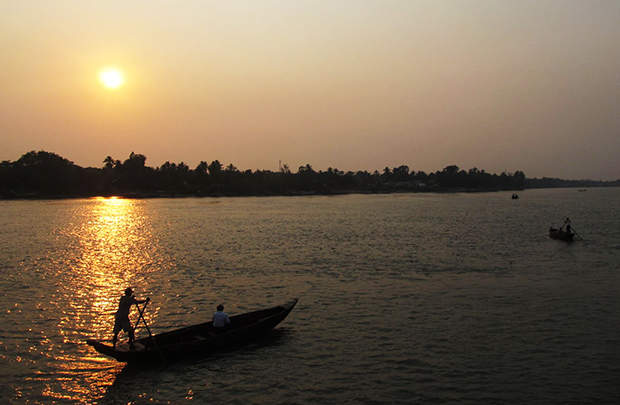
(121, 321)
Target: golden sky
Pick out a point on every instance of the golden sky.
(529, 85)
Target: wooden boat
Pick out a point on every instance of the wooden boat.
(561, 234)
(197, 339)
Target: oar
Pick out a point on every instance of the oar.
(141, 316)
(575, 232)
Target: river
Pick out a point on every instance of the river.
(403, 298)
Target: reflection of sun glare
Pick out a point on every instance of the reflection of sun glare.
(115, 246)
(112, 78)
(111, 247)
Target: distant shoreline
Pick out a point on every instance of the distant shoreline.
(46, 175)
(147, 196)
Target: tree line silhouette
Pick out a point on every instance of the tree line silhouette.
(47, 175)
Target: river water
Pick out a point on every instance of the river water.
(403, 298)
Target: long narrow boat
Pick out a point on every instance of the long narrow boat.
(561, 234)
(197, 339)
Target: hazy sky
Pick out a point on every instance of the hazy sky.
(502, 85)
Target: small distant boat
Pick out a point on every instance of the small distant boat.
(515, 196)
(197, 339)
(582, 189)
(561, 234)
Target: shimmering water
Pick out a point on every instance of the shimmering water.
(408, 298)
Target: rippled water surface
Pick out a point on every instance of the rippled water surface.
(404, 298)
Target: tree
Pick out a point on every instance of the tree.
(387, 174)
(451, 170)
(134, 172)
(135, 161)
(306, 169)
(109, 162)
(47, 173)
(202, 167)
(448, 176)
(215, 169)
(306, 178)
(401, 173)
(519, 179)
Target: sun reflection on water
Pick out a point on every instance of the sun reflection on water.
(113, 248)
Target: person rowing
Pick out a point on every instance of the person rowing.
(121, 318)
(567, 224)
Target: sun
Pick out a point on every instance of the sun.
(112, 78)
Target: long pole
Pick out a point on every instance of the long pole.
(575, 232)
(141, 312)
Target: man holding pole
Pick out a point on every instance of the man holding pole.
(122, 317)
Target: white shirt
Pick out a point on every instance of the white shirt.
(220, 319)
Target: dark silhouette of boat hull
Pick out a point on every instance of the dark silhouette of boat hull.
(560, 234)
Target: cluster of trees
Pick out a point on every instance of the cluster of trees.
(46, 174)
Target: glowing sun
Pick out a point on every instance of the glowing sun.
(112, 78)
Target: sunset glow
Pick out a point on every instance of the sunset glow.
(112, 78)
(499, 86)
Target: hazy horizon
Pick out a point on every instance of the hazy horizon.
(501, 86)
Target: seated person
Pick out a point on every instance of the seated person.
(220, 320)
